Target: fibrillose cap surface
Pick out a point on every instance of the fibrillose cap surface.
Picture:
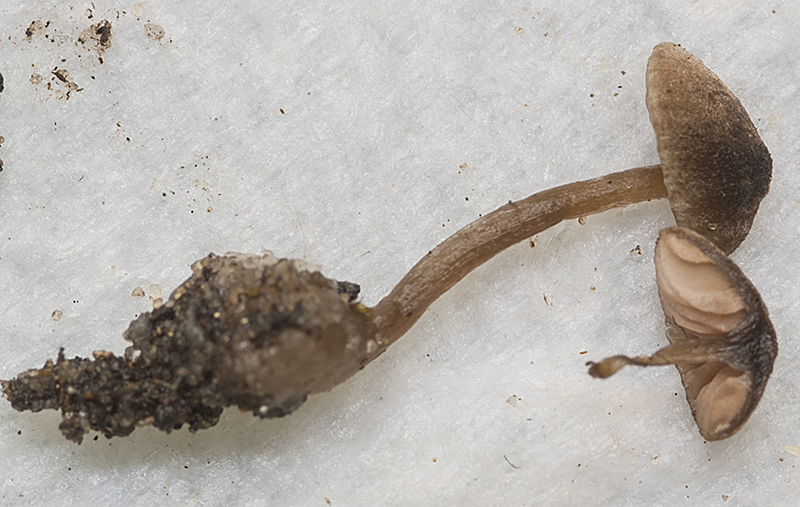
(716, 168)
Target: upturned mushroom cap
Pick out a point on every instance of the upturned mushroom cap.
(716, 168)
(721, 338)
(710, 303)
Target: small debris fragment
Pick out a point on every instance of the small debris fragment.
(102, 354)
(33, 28)
(97, 37)
(155, 291)
(509, 462)
(56, 315)
(62, 75)
(349, 289)
(154, 31)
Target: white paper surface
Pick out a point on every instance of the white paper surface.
(358, 135)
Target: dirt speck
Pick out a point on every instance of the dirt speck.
(34, 27)
(63, 76)
(154, 31)
(97, 37)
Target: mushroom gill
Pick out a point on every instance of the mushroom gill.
(696, 294)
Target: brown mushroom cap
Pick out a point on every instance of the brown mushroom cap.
(709, 302)
(721, 338)
(716, 168)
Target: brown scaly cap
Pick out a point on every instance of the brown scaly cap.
(716, 168)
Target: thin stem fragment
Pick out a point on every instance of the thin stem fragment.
(684, 353)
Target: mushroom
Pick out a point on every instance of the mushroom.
(263, 333)
(721, 338)
(714, 169)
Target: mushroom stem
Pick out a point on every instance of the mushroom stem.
(458, 255)
(685, 353)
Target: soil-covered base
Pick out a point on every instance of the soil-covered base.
(246, 330)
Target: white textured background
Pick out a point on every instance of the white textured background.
(178, 147)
